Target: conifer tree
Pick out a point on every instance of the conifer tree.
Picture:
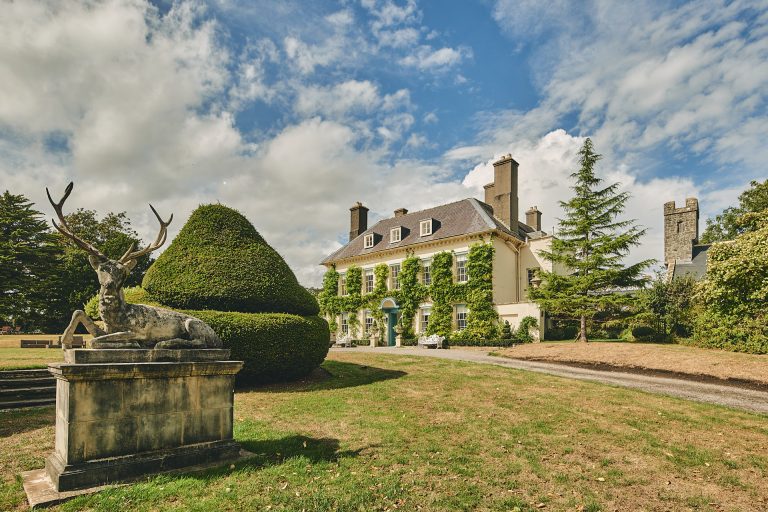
(588, 250)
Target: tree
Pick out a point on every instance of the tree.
(730, 223)
(28, 262)
(589, 250)
(670, 302)
(112, 235)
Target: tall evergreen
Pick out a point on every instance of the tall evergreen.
(28, 262)
(588, 250)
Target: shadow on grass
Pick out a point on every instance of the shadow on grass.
(331, 375)
(18, 421)
(271, 452)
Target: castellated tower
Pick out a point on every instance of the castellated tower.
(681, 230)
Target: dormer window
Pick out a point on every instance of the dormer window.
(368, 241)
(425, 227)
(395, 235)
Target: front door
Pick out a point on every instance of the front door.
(391, 323)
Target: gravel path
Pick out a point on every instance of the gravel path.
(728, 395)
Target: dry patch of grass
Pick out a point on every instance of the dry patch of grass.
(22, 358)
(414, 433)
(674, 358)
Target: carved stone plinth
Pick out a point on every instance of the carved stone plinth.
(121, 414)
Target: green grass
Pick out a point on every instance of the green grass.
(28, 358)
(407, 433)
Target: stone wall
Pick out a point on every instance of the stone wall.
(681, 230)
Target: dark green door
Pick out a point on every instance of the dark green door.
(391, 328)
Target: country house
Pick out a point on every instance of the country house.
(449, 228)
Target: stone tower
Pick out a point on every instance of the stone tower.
(681, 230)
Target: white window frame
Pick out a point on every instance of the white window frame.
(424, 312)
(461, 309)
(462, 276)
(395, 238)
(344, 325)
(367, 319)
(368, 241)
(426, 264)
(394, 276)
(369, 273)
(425, 227)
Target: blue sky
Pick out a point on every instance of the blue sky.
(291, 111)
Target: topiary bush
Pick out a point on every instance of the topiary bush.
(219, 261)
(274, 346)
(221, 270)
(643, 333)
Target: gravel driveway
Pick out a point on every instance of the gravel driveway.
(728, 395)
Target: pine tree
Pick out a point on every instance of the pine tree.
(28, 262)
(588, 250)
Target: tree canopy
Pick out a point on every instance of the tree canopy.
(587, 253)
(731, 223)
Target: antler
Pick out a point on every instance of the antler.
(130, 254)
(64, 229)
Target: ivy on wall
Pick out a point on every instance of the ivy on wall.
(477, 293)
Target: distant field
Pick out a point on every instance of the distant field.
(664, 357)
(421, 434)
(23, 358)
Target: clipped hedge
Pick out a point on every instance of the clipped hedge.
(275, 346)
(220, 262)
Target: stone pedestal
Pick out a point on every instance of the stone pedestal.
(122, 414)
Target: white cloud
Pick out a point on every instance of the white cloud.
(427, 58)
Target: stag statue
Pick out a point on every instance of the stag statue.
(130, 325)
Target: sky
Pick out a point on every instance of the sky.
(292, 111)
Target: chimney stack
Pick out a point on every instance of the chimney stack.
(400, 212)
(533, 218)
(502, 193)
(358, 220)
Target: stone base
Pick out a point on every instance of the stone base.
(41, 491)
(121, 414)
(66, 477)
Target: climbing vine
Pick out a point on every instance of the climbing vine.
(482, 318)
(477, 293)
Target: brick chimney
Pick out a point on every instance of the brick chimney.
(533, 218)
(502, 193)
(400, 212)
(358, 220)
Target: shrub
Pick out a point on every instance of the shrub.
(524, 330)
(643, 333)
(506, 331)
(220, 262)
(482, 343)
(274, 346)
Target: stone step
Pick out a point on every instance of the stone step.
(27, 383)
(36, 373)
(38, 402)
(14, 395)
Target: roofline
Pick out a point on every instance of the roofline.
(442, 241)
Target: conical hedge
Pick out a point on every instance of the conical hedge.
(220, 262)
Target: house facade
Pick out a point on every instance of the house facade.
(452, 228)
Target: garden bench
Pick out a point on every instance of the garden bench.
(433, 341)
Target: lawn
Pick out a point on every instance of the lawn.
(23, 358)
(665, 357)
(407, 433)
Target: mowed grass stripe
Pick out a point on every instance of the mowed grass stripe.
(406, 433)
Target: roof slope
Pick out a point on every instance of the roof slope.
(697, 267)
(463, 217)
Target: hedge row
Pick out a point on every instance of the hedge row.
(275, 346)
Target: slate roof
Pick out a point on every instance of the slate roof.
(697, 267)
(463, 217)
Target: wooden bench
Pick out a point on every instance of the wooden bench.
(37, 343)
